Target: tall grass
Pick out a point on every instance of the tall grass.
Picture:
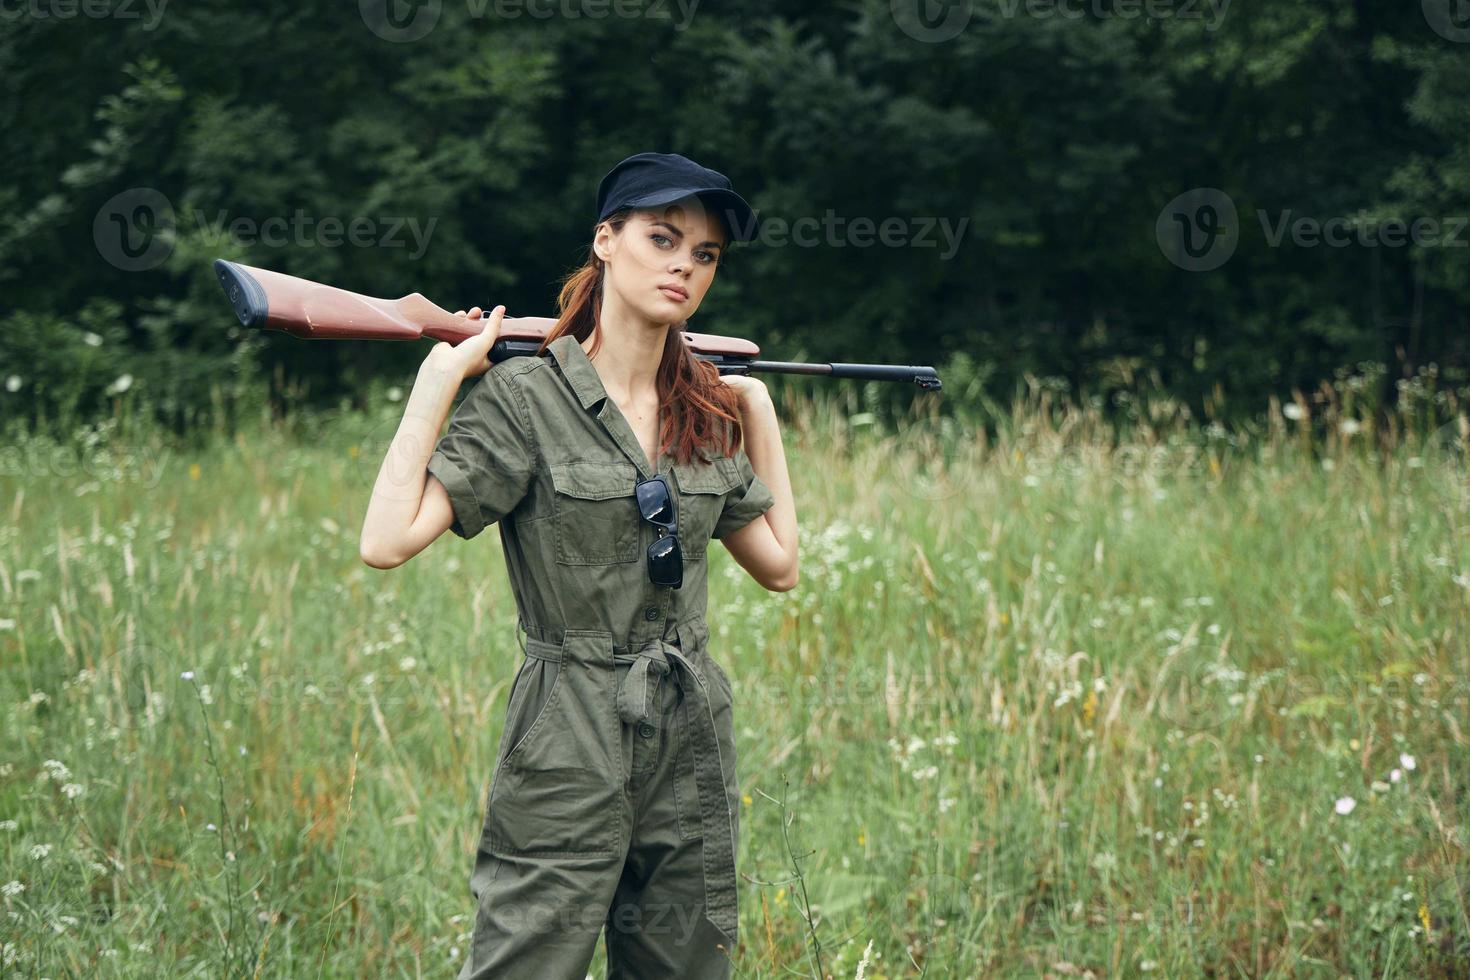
(1061, 694)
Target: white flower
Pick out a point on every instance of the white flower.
(8, 825)
(928, 772)
(73, 790)
(205, 694)
(56, 770)
(1407, 761)
(40, 851)
(1350, 427)
(122, 384)
(13, 383)
(1345, 805)
(407, 664)
(92, 339)
(1394, 775)
(187, 675)
(11, 889)
(1292, 411)
(395, 393)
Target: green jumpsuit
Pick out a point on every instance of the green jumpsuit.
(614, 802)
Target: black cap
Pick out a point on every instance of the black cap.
(647, 180)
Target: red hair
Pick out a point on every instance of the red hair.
(693, 401)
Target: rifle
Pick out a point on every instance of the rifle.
(313, 311)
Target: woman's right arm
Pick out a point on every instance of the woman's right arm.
(408, 508)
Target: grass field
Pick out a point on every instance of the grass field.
(1065, 700)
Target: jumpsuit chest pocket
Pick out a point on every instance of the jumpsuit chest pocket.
(702, 490)
(595, 512)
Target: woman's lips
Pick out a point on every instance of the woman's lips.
(673, 294)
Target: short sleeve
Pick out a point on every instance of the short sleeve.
(746, 502)
(487, 457)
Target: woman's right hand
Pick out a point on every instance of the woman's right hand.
(471, 357)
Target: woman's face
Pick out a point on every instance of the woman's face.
(663, 260)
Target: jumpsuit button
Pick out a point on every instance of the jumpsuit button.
(647, 730)
(651, 613)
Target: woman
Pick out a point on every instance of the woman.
(609, 462)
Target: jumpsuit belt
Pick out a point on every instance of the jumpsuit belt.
(634, 696)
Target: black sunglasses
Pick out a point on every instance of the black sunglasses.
(656, 504)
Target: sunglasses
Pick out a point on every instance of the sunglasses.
(656, 504)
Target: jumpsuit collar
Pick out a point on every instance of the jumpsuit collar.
(577, 368)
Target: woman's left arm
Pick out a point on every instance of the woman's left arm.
(765, 547)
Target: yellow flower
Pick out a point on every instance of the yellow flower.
(745, 798)
(1214, 466)
(862, 839)
(352, 451)
(193, 471)
(780, 895)
(1089, 707)
(1424, 918)
(1005, 617)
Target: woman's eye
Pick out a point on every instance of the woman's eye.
(656, 237)
(708, 257)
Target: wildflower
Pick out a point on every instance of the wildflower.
(8, 825)
(1345, 805)
(928, 772)
(407, 664)
(1292, 411)
(1424, 917)
(1407, 761)
(187, 675)
(11, 889)
(1394, 775)
(56, 770)
(39, 852)
(13, 383)
(122, 384)
(1350, 427)
(205, 694)
(73, 790)
(862, 966)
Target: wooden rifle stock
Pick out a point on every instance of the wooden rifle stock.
(314, 311)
